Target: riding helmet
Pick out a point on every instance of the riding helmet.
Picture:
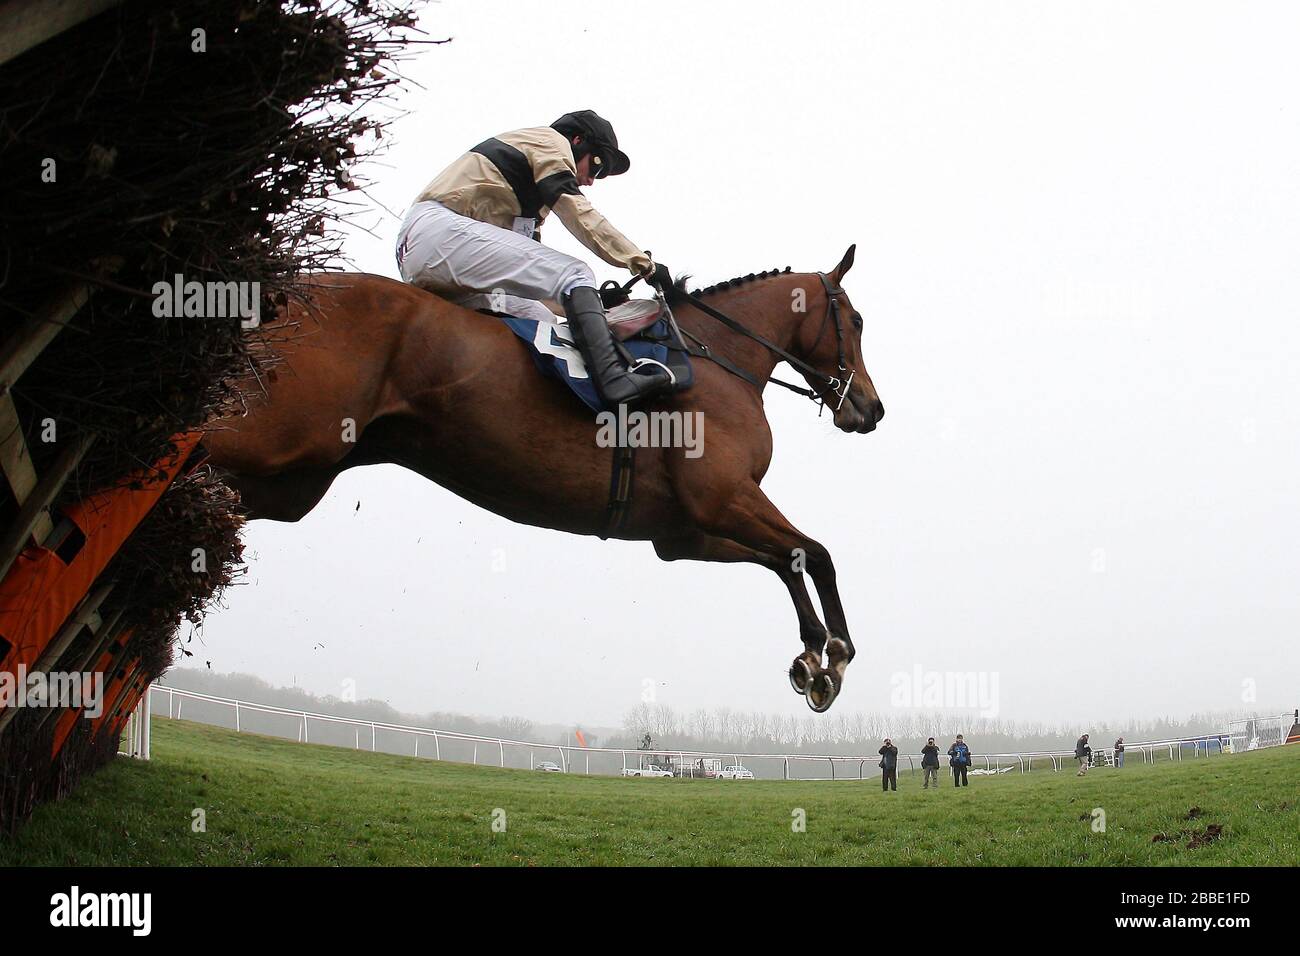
(598, 138)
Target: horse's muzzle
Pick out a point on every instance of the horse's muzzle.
(860, 415)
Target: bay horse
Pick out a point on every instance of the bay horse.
(382, 372)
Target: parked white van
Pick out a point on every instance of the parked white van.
(736, 772)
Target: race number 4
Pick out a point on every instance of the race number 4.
(553, 340)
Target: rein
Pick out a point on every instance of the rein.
(834, 385)
(620, 485)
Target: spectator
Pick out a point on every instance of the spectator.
(1083, 753)
(930, 765)
(889, 766)
(959, 760)
(1119, 752)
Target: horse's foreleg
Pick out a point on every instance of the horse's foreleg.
(698, 546)
(750, 519)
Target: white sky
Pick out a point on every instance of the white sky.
(1077, 230)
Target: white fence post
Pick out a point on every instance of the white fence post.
(131, 723)
(146, 715)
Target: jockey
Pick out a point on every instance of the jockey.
(474, 234)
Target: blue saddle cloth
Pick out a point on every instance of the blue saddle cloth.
(556, 356)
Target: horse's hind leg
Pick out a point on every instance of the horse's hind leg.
(749, 518)
(698, 546)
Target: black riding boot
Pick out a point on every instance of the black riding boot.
(614, 383)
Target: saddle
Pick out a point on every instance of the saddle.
(642, 332)
(628, 318)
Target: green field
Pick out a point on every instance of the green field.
(269, 802)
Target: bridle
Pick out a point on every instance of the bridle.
(836, 386)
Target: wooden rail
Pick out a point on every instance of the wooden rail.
(28, 23)
(32, 495)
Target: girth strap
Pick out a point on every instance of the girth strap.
(620, 490)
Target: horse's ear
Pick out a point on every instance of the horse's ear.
(845, 264)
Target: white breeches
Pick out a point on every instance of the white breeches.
(479, 265)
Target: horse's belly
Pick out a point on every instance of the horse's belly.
(552, 476)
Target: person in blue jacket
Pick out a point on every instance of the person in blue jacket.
(959, 759)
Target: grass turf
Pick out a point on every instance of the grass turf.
(271, 802)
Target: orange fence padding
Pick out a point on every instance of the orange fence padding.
(68, 719)
(40, 591)
(116, 686)
(135, 694)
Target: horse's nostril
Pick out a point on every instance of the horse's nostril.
(880, 410)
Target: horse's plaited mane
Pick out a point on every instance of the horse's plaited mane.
(680, 285)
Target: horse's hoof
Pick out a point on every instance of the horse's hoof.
(800, 675)
(821, 693)
(837, 649)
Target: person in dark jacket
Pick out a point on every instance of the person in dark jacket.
(930, 764)
(1083, 754)
(1119, 752)
(959, 759)
(889, 766)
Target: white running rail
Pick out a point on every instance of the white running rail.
(501, 751)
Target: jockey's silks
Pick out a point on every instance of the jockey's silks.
(525, 174)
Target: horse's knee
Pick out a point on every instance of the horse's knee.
(817, 560)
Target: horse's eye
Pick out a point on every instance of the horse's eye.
(857, 321)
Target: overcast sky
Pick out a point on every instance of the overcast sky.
(1077, 230)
